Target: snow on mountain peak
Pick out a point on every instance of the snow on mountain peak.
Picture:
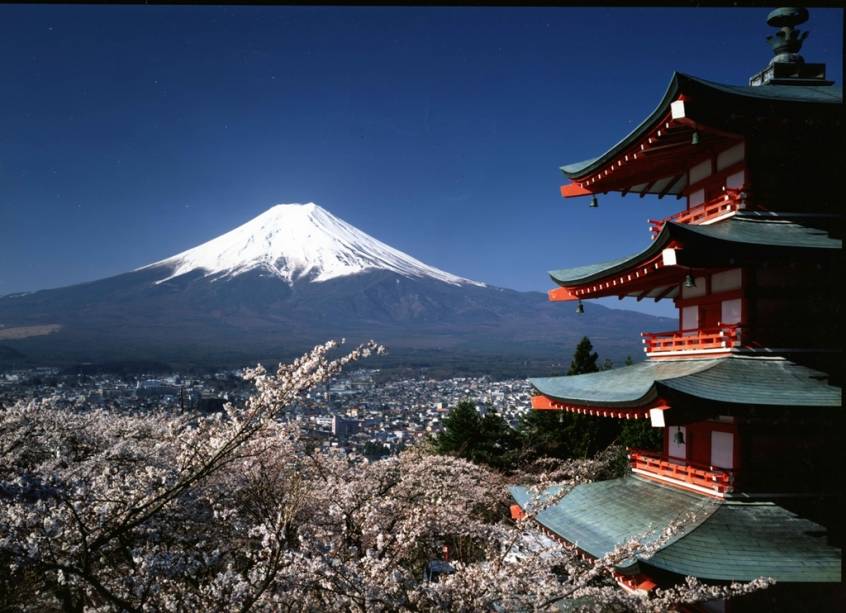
(294, 241)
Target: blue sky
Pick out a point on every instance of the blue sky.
(129, 133)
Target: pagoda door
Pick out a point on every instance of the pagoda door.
(697, 444)
(709, 315)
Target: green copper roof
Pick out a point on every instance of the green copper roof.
(596, 517)
(576, 167)
(628, 385)
(746, 229)
(820, 94)
(742, 541)
(739, 380)
(768, 229)
(718, 540)
(760, 381)
(807, 94)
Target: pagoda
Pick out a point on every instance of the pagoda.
(747, 390)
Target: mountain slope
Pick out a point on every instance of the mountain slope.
(292, 277)
(299, 241)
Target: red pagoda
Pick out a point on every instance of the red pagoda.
(747, 390)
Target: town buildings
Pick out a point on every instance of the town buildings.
(747, 390)
(354, 414)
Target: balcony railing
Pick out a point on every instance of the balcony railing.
(711, 340)
(688, 475)
(726, 203)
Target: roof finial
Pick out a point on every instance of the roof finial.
(787, 67)
(787, 42)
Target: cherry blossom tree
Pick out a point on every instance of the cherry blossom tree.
(107, 511)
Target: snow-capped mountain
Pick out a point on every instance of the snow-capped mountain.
(299, 241)
(293, 277)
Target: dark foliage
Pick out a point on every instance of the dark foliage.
(484, 439)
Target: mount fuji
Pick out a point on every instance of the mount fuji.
(295, 276)
(296, 242)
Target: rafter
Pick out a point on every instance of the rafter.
(647, 188)
(670, 185)
(664, 293)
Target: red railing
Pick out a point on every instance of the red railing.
(728, 202)
(720, 481)
(724, 336)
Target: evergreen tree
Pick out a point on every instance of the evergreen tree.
(566, 435)
(499, 443)
(484, 440)
(640, 434)
(584, 361)
(461, 430)
(544, 434)
(629, 361)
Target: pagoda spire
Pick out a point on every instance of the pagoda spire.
(787, 42)
(787, 67)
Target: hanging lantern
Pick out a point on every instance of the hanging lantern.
(580, 308)
(689, 281)
(694, 139)
(679, 436)
(593, 202)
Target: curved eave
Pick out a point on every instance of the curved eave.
(686, 84)
(759, 382)
(746, 234)
(737, 380)
(725, 541)
(581, 169)
(741, 541)
(580, 275)
(628, 387)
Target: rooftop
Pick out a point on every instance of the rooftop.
(736, 380)
(728, 95)
(731, 541)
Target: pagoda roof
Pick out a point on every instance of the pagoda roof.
(743, 233)
(738, 380)
(686, 85)
(719, 540)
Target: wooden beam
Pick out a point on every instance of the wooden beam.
(561, 294)
(647, 188)
(574, 190)
(687, 121)
(664, 293)
(544, 403)
(672, 182)
(643, 294)
(675, 143)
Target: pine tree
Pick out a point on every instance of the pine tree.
(461, 430)
(566, 435)
(640, 434)
(587, 435)
(583, 360)
(484, 440)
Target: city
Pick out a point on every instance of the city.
(355, 414)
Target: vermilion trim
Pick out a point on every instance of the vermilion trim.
(542, 402)
(561, 294)
(639, 275)
(573, 190)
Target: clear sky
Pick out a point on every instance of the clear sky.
(130, 133)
